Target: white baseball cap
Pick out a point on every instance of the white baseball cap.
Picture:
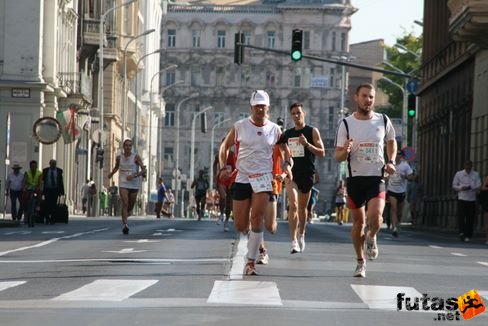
(259, 97)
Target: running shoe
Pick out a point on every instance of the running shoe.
(466, 239)
(295, 248)
(125, 229)
(371, 248)
(360, 269)
(250, 268)
(301, 241)
(226, 226)
(263, 258)
(395, 232)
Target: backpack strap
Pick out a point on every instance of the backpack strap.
(349, 154)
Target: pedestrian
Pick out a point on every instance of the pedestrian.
(52, 178)
(130, 169)
(340, 203)
(224, 187)
(483, 199)
(397, 189)
(414, 195)
(113, 199)
(170, 203)
(84, 196)
(201, 185)
(92, 199)
(15, 180)
(31, 192)
(162, 196)
(360, 140)
(256, 136)
(466, 183)
(305, 144)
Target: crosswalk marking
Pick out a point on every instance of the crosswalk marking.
(245, 293)
(458, 254)
(107, 290)
(483, 263)
(6, 285)
(383, 297)
(239, 259)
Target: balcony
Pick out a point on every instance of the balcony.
(91, 41)
(469, 21)
(78, 87)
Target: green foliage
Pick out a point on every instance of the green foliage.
(406, 62)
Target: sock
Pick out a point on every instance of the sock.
(255, 239)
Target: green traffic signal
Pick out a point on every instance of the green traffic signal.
(296, 55)
(411, 113)
(412, 105)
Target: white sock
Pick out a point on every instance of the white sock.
(255, 239)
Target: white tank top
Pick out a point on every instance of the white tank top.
(254, 146)
(128, 166)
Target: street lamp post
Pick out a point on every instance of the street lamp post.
(404, 109)
(136, 116)
(192, 146)
(124, 103)
(212, 144)
(149, 169)
(177, 142)
(101, 38)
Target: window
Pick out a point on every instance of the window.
(334, 41)
(297, 81)
(196, 38)
(332, 77)
(331, 117)
(221, 39)
(306, 40)
(343, 42)
(271, 39)
(170, 78)
(218, 117)
(247, 38)
(168, 156)
(171, 38)
(169, 118)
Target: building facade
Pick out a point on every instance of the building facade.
(199, 38)
(453, 113)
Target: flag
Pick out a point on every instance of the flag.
(67, 120)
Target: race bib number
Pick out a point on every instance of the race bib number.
(296, 149)
(261, 182)
(369, 153)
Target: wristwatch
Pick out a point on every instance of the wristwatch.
(391, 162)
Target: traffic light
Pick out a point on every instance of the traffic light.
(412, 105)
(203, 122)
(296, 45)
(238, 49)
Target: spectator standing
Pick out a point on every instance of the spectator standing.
(414, 195)
(466, 183)
(201, 185)
(361, 142)
(170, 203)
(484, 205)
(162, 196)
(32, 184)
(52, 178)
(113, 200)
(84, 196)
(15, 180)
(340, 202)
(92, 199)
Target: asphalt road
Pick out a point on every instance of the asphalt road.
(185, 272)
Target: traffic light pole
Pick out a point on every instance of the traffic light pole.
(338, 62)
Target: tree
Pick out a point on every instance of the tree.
(405, 61)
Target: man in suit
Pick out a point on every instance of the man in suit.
(52, 178)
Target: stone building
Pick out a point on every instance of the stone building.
(453, 112)
(199, 38)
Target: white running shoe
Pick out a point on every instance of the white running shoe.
(371, 248)
(263, 258)
(294, 247)
(360, 269)
(226, 226)
(301, 241)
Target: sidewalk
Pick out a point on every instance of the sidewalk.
(7, 222)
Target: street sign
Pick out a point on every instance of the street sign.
(412, 85)
(409, 153)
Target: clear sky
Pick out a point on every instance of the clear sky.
(386, 19)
